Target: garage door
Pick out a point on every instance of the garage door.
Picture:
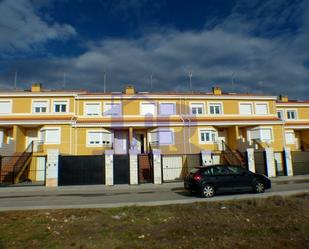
(172, 168)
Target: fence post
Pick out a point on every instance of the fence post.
(133, 166)
(206, 157)
(52, 168)
(250, 158)
(0, 169)
(109, 167)
(270, 162)
(157, 166)
(288, 161)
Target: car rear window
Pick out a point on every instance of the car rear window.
(194, 170)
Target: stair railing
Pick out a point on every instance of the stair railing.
(233, 157)
(24, 156)
(304, 145)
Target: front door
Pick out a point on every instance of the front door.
(121, 142)
(222, 140)
(32, 135)
(140, 144)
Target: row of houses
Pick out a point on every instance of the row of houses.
(81, 123)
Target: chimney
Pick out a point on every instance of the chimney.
(217, 90)
(36, 87)
(284, 98)
(129, 90)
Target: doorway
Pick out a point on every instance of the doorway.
(121, 142)
(140, 140)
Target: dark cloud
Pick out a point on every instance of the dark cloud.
(231, 51)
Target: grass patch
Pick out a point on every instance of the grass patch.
(276, 222)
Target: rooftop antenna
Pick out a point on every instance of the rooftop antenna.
(104, 82)
(151, 82)
(64, 79)
(233, 74)
(15, 80)
(190, 77)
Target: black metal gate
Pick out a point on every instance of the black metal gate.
(81, 170)
(260, 162)
(121, 169)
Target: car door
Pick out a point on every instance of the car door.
(223, 179)
(241, 178)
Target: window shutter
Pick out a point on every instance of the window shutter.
(167, 109)
(112, 109)
(52, 136)
(92, 109)
(165, 137)
(245, 109)
(261, 109)
(5, 107)
(148, 109)
(290, 137)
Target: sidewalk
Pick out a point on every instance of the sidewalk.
(144, 188)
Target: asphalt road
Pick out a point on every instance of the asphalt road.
(26, 198)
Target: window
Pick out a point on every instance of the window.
(167, 109)
(197, 108)
(162, 137)
(291, 114)
(148, 109)
(289, 137)
(98, 138)
(208, 136)
(261, 108)
(50, 136)
(113, 109)
(263, 134)
(215, 109)
(40, 106)
(60, 106)
(245, 108)
(92, 109)
(5, 107)
(236, 170)
(280, 115)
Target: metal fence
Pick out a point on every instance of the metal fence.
(260, 162)
(20, 170)
(300, 160)
(176, 167)
(81, 170)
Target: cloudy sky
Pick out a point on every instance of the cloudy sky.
(243, 46)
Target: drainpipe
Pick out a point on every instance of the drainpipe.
(184, 126)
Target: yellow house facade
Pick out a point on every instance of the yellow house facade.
(84, 123)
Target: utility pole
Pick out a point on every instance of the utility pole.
(190, 78)
(15, 80)
(104, 82)
(64, 80)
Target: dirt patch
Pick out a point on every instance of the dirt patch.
(276, 222)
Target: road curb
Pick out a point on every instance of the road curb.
(160, 203)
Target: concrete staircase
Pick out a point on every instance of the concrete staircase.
(145, 168)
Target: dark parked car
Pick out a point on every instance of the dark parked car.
(208, 181)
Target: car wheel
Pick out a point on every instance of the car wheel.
(208, 191)
(259, 187)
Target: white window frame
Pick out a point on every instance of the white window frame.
(88, 144)
(209, 104)
(40, 100)
(245, 103)
(158, 143)
(259, 129)
(207, 130)
(291, 110)
(50, 128)
(291, 132)
(175, 108)
(282, 114)
(11, 106)
(150, 103)
(261, 103)
(93, 103)
(56, 101)
(110, 103)
(197, 103)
